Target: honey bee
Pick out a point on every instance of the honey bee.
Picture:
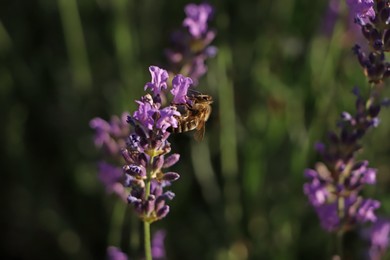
(194, 114)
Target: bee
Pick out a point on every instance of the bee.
(194, 114)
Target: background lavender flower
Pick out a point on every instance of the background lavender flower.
(191, 48)
(114, 253)
(110, 137)
(112, 178)
(158, 248)
(197, 18)
(334, 187)
(378, 235)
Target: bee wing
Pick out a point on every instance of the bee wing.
(199, 133)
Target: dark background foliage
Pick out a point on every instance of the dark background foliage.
(280, 81)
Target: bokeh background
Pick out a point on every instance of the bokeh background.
(283, 74)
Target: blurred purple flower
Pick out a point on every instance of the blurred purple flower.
(191, 48)
(114, 253)
(333, 187)
(197, 18)
(158, 249)
(355, 210)
(112, 178)
(378, 235)
(110, 135)
(316, 188)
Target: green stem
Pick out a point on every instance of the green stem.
(148, 248)
(147, 245)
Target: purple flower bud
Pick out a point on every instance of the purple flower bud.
(126, 155)
(133, 141)
(169, 195)
(134, 201)
(158, 162)
(159, 80)
(163, 212)
(171, 176)
(171, 160)
(135, 171)
(149, 205)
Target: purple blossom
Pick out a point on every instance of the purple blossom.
(378, 235)
(158, 249)
(114, 253)
(363, 10)
(315, 189)
(191, 48)
(167, 118)
(159, 80)
(366, 209)
(144, 114)
(110, 135)
(328, 216)
(197, 18)
(180, 86)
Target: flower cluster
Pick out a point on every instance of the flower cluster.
(147, 147)
(334, 186)
(374, 19)
(110, 137)
(378, 236)
(191, 48)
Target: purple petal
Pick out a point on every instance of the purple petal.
(159, 80)
(180, 85)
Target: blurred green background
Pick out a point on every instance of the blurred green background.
(280, 81)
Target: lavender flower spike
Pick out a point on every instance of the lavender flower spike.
(147, 146)
(159, 80)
